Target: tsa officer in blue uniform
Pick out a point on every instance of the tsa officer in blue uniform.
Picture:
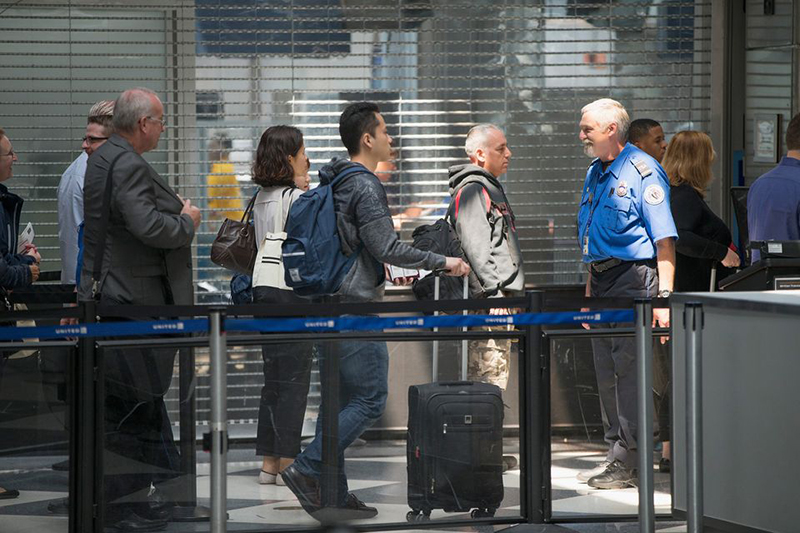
(627, 237)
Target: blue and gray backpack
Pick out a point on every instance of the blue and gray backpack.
(313, 260)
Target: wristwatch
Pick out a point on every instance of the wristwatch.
(664, 293)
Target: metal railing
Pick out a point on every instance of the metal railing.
(86, 403)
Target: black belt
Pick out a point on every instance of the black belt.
(605, 264)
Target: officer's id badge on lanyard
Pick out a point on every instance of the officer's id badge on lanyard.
(591, 215)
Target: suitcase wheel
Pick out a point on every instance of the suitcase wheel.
(418, 516)
(482, 513)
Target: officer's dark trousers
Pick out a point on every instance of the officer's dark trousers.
(615, 359)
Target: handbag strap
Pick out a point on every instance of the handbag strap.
(279, 212)
(247, 216)
(105, 216)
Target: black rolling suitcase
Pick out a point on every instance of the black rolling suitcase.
(454, 448)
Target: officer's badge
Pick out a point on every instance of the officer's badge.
(622, 190)
(654, 194)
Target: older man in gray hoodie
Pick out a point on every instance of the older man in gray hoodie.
(484, 222)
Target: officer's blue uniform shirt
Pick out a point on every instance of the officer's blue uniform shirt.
(773, 205)
(624, 209)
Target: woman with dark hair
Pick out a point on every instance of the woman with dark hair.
(281, 169)
(703, 238)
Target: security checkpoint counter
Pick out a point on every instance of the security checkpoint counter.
(750, 425)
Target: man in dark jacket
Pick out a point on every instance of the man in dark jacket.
(485, 225)
(23, 268)
(365, 227)
(145, 260)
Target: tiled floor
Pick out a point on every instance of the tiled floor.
(377, 473)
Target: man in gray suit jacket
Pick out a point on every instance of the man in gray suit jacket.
(146, 261)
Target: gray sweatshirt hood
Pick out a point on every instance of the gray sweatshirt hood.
(462, 174)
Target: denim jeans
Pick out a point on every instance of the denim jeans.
(363, 375)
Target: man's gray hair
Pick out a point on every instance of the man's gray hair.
(132, 105)
(476, 138)
(606, 112)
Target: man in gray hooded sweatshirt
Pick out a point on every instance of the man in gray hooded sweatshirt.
(485, 225)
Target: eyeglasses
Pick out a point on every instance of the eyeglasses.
(11, 153)
(162, 121)
(91, 140)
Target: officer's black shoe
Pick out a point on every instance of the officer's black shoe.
(616, 476)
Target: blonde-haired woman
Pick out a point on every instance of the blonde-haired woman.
(703, 238)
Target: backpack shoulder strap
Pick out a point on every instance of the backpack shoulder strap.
(453, 214)
(349, 171)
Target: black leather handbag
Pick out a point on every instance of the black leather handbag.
(235, 245)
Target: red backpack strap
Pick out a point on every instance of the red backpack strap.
(458, 200)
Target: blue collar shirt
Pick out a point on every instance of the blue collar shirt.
(625, 208)
(773, 205)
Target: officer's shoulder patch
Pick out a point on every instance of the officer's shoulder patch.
(641, 167)
(654, 194)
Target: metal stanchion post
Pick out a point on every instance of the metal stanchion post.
(219, 432)
(693, 327)
(330, 426)
(84, 487)
(644, 368)
(535, 416)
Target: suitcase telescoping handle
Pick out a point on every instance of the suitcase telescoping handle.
(464, 344)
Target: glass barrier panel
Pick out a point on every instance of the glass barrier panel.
(592, 415)
(34, 448)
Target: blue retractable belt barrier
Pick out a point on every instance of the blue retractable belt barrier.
(345, 323)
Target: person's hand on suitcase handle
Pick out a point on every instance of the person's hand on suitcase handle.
(455, 266)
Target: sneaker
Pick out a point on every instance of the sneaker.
(265, 478)
(616, 476)
(586, 475)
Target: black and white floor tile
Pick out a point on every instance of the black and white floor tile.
(377, 473)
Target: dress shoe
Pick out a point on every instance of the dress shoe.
(586, 475)
(279, 480)
(135, 523)
(616, 476)
(61, 466)
(59, 507)
(8, 494)
(355, 509)
(664, 465)
(304, 487)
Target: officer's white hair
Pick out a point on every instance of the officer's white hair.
(606, 112)
(477, 136)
